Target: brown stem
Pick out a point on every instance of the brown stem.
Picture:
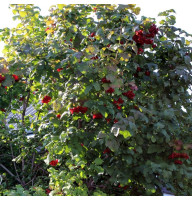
(14, 163)
(79, 123)
(25, 105)
(10, 173)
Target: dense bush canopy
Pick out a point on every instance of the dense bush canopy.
(112, 102)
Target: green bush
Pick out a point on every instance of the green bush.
(112, 100)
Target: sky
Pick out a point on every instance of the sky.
(149, 8)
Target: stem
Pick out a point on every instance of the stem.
(14, 163)
(25, 105)
(33, 159)
(10, 173)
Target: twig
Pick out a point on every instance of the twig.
(14, 163)
(10, 173)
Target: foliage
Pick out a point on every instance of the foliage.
(112, 102)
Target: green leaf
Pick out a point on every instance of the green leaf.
(187, 60)
(88, 89)
(97, 86)
(83, 67)
(23, 13)
(112, 144)
(8, 81)
(110, 77)
(152, 149)
(125, 134)
(98, 161)
(153, 138)
(60, 6)
(11, 126)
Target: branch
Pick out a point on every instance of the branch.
(14, 163)
(10, 173)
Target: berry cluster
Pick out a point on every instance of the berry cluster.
(118, 102)
(104, 80)
(129, 94)
(97, 116)
(2, 78)
(178, 155)
(59, 69)
(142, 38)
(46, 99)
(53, 162)
(94, 58)
(78, 109)
(110, 90)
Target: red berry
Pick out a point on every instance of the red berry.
(2, 78)
(115, 121)
(154, 46)
(108, 120)
(178, 162)
(97, 116)
(58, 116)
(147, 73)
(104, 80)
(46, 99)
(47, 191)
(107, 150)
(92, 34)
(3, 110)
(139, 69)
(59, 69)
(47, 29)
(53, 162)
(140, 51)
(21, 99)
(110, 90)
(15, 77)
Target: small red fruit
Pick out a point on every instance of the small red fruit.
(115, 121)
(59, 69)
(178, 162)
(47, 29)
(46, 99)
(92, 34)
(110, 90)
(54, 162)
(3, 110)
(47, 191)
(58, 116)
(140, 51)
(154, 46)
(21, 99)
(2, 78)
(15, 77)
(147, 73)
(97, 116)
(104, 80)
(139, 69)
(108, 120)
(107, 150)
